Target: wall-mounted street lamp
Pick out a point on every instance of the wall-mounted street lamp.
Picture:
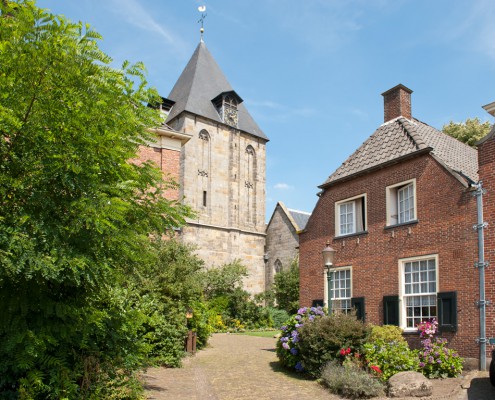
(328, 254)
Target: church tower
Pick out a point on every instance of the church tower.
(222, 168)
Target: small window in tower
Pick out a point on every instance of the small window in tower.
(230, 111)
(204, 198)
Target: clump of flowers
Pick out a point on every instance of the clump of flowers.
(436, 360)
(287, 349)
(428, 329)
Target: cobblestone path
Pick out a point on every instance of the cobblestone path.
(233, 367)
(239, 367)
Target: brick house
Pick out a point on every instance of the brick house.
(400, 213)
(282, 240)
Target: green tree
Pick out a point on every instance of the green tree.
(468, 132)
(286, 288)
(76, 217)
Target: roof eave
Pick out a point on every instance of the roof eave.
(169, 121)
(397, 160)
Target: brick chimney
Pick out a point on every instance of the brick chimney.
(397, 102)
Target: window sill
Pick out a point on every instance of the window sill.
(413, 222)
(350, 235)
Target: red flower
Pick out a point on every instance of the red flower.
(342, 352)
(376, 369)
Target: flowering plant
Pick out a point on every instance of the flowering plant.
(436, 360)
(428, 328)
(385, 359)
(287, 348)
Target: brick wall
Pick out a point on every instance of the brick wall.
(446, 212)
(486, 159)
(165, 159)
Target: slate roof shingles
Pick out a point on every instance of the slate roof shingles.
(201, 81)
(401, 137)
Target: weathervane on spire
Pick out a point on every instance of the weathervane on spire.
(202, 10)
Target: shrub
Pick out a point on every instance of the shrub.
(387, 333)
(279, 317)
(200, 324)
(322, 340)
(390, 357)
(351, 382)
(286, 288)
(287, 345)
(435, 359)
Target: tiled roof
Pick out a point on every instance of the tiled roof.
(201, 81)
(401, 137)
(300, 218)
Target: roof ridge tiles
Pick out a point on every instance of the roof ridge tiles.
(414, 136)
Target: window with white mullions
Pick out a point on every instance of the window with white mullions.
(341, 290)
(350, 215)
(347, 220)
(401, 203)
(405, 197)
(419, 291)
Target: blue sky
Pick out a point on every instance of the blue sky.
(312, 72)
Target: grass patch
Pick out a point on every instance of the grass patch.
(258, 333)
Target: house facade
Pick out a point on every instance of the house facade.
(282, 240)
(400, 213)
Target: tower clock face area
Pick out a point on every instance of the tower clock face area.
(230, 116)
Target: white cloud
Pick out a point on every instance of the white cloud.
(283, 186)
(470, 25)
(138, 16)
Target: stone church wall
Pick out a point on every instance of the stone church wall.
(223, 180)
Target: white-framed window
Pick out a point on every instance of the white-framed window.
(419, 288)
(350, 215)
(340, 289)
(401, 202)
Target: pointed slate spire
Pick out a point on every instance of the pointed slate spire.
(199, 84)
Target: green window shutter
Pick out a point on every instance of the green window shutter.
(317, 303)
(391, 310)
(358, 304)
(447, 311)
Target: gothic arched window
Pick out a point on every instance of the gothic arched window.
(250, 182)
(204, 156)
(278, 266)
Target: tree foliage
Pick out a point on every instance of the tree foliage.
(286, 288)
(469, 132)
(76, 217)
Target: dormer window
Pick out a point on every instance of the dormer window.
(230, 111)
(227, 107)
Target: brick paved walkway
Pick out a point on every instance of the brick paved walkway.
(238, 367)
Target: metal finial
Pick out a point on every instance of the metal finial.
(202, 10)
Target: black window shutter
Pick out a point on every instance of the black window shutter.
(358, 304)
(391, 310)
(317, 303)
(447, 311)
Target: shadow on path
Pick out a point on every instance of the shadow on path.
(481, 389)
